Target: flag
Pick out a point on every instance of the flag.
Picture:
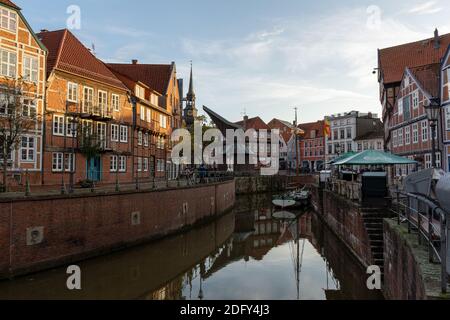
(327, 129)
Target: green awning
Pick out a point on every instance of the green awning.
(343, 157)
(373, 157)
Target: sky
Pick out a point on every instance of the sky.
(255, 57)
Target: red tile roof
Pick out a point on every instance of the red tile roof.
(428, 77)
(394, 60)
(254, 123)
(9, 4)
(155, 76)
(286, 128)
(318, 126)
(67, 53)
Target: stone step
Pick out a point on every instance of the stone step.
(373, 225)
(376, 236)
(373, 219)
(379, 262)
(377, 243)
(378, 256)
(373, 231)
(377, 249)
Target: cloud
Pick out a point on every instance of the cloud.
(324, 66)
(426, 8)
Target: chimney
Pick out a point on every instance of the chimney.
(437, 44)
(245, 122)
(134, 61)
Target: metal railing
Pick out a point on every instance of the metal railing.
(424, 216)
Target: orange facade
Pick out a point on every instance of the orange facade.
(23, 57)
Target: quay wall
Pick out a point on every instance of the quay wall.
(345, 219)
(45, 232)
(264, 184)
(408, 273)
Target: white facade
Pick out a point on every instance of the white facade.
(343, 133)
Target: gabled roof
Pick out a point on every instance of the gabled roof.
(394, 60)
(285, 134)
(155, 76)
(428, 78)
(68, 54)
(254, 123)
(9, 4)
(318, 126)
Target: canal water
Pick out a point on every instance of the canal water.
(245, 254)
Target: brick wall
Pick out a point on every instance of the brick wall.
(346, 221)
(80, 226)
(403, 276)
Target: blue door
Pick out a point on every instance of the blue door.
(94, 169)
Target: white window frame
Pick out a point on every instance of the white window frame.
(72, 92)
(69, 124)
(415, 133)
(424, 128)
(407, 135)
(415, 99)
(102, 100)
(30, 151)
(29, 108)
(115, 101)
(10, 64)
(140, 138)
(57, 162)
(400, 137)
(145, 164)
(428, 160)
(146, 139)
(139, 164)
(58, 125)
(113, 163)
(163, 121)
(69, 162)
(447, 116)
(400, 106)
(149, 115)
(88, 99)
(123, 134)
(394, 139)
(30, 68)
(115, 132)
(122, 163)
(142, 113)
(8, 20)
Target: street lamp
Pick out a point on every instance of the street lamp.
(432, 108)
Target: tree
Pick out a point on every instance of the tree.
(18, 116)
(91, 145)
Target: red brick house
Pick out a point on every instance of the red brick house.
(392, 63)
(312, 146)
(84, 99)
(445, 103)
(161, 98)
(411, 133)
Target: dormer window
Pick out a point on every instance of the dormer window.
(140, 92)
(154, 99)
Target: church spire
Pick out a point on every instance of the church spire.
(190, 112)
(191, 93)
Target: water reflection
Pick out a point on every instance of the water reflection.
(244, 255)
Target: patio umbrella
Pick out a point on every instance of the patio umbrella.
(373, 157)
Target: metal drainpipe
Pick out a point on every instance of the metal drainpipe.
(44, 133)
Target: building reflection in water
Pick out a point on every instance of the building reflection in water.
(243, 255)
